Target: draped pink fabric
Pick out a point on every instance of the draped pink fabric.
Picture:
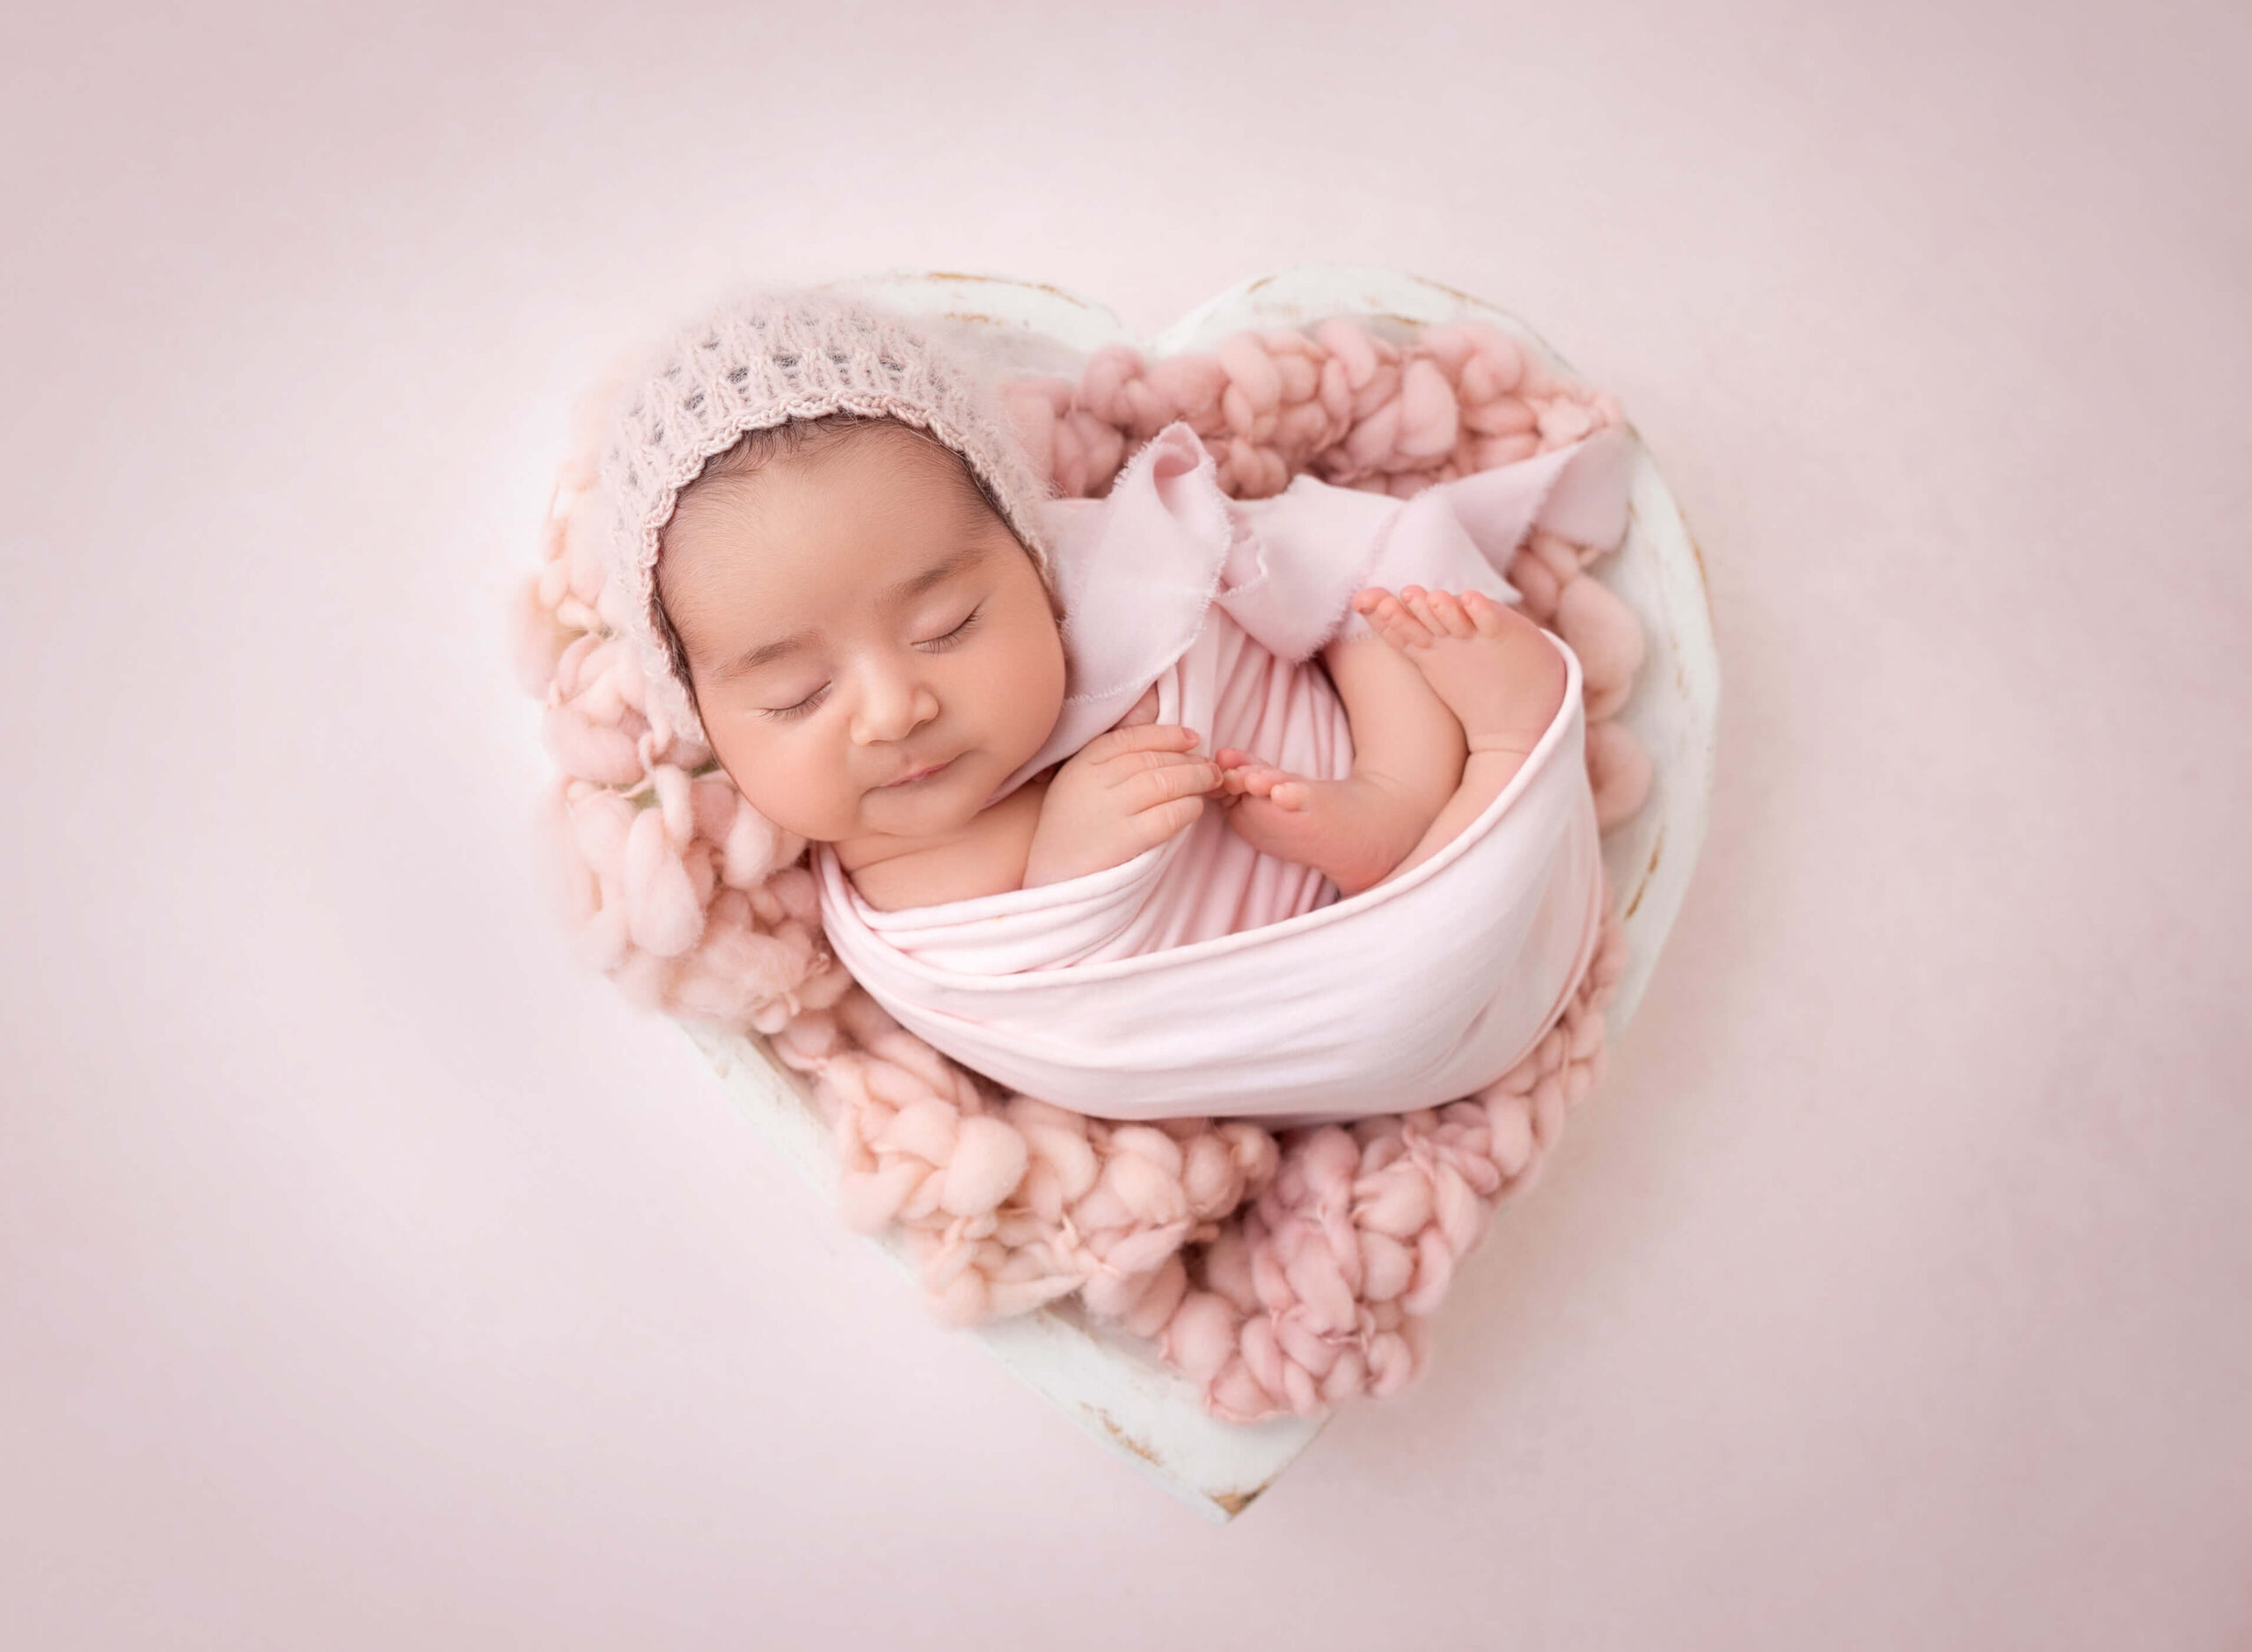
(1204, 977)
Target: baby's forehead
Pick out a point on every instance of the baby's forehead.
(913, 500)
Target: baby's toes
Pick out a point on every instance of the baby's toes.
(1263, 778)
(1451, 619)
(1291, 794)
(1485, 613)
(1417, 602)
(1393, 623)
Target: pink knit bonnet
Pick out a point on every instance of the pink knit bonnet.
(760, 361)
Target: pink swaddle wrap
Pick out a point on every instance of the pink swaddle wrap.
(1203, 976)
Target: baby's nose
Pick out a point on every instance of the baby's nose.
(891, 708)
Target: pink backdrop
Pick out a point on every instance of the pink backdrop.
(369, 1277)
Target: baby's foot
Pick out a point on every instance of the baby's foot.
(1352, 832)
(1487, 661)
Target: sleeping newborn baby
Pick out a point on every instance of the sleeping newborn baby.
(873, 653)
(1044, 739)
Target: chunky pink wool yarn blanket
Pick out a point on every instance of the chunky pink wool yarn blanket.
(1281, 1270)
(1203, 976)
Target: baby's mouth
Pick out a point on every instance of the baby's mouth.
(919, 774)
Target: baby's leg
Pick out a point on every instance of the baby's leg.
(1409, 752)
(1500, 677)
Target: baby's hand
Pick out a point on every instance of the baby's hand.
(1124, 791)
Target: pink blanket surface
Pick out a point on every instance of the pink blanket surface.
(1203, 976)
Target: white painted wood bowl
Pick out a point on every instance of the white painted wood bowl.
(1111, 1386)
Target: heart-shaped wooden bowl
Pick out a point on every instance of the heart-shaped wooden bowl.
(1111, 1386)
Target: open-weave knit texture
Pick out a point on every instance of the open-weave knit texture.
(1284, 1273)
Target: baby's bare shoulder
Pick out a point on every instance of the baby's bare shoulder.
(988, 857)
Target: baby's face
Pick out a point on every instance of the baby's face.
(851, 615)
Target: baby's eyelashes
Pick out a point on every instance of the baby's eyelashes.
(950, 639)
(957, 636)
(802, 708)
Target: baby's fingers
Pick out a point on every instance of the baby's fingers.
(1151, 737)
(1153, 826)
(1161, 783)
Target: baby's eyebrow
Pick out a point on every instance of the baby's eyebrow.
(893, 596)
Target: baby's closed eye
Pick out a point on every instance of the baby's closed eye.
(953, 638)
(958, 633)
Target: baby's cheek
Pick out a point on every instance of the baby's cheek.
(763, 775)
(790, 788)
